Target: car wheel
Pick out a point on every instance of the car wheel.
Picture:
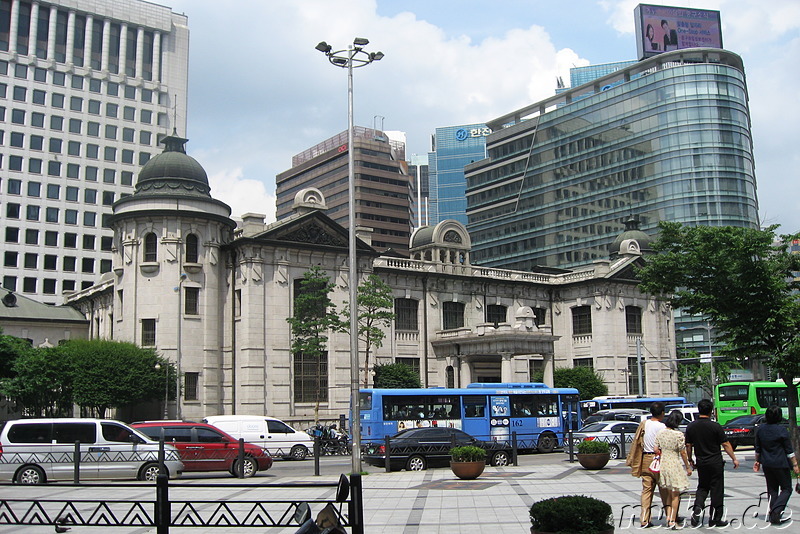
(299, 452)
(150, 472)
(546, 443)
(30, 474)
(500, 459)
(613, 452)
(250, 467)
(416, 463)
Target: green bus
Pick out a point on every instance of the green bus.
(733, 399)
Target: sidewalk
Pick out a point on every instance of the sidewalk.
(435, 501)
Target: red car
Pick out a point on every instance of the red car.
(206, 448)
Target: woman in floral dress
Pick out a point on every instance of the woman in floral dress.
(671, 445)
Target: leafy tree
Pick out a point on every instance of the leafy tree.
(375, 303)
(743, 281)
(585, 379)
(10, 349)
(111, 374)
(41, 385)
(396, 376)
(314, 315)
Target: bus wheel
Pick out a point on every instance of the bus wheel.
(500, 459)
(547, 442)
(416, 463)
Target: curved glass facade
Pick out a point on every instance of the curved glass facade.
(673, 144)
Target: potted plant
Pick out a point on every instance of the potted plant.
(593, 454)
(571, 514)
(467, 462)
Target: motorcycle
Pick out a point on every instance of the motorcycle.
(327, 521)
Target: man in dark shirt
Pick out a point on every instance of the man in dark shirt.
(705, 437)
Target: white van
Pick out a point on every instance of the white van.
(275, 436)
(689, 411)
(34, 451)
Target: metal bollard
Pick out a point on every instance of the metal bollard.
(163, 508)
(356, 504)
(571, 447)
(514, 458)
(387, 455)
(162, 468)
(76, 463)
(622, 452)
(240, 465)
(316, 456)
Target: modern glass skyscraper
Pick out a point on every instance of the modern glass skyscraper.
(87, 89)
(672, 142)
(453, 148)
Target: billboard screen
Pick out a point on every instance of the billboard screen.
(662, 29)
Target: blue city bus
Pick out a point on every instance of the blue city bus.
(610, 402)
(536, 414)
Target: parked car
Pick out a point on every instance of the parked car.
(608, 431)
(742, 430)
(689, 411)
(618, 414)
(34, 451)
(417, 448)
(204, 447)
(279, 439)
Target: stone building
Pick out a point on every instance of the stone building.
(213, 297)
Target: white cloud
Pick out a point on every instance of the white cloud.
(241, 194)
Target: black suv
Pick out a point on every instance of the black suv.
(416, 448)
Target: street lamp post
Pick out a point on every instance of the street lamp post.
(166, 389)
(178, 410)
(353, 57)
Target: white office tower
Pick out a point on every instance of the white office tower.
(87, 90)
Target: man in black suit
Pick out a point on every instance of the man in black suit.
(670, 37)
(705, 437)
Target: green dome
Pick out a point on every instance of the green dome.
(631, 232)
(173, 172)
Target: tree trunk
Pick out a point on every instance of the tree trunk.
(791, 393)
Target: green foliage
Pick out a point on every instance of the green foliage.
(585, 379)
(468, 453)
(10, 349)
(743, 281)
(314, 313)
(593, 447)
(375, 305)
(572, 514)
(42, 383)
(94, 374)
(396, 376)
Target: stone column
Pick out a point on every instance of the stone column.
(465, 371)
(12, 32)
(88, 35)
(548, 369)
(34, 30)
(51, 34)
(123, 49)
(70, 37)
(505, 368)
(106, 43)
(139, 52)
(156, 56)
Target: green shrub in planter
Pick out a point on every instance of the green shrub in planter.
(468, 453)
(572, 514)
(593, 447)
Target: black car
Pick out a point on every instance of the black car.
(742, 430)
(417, 448)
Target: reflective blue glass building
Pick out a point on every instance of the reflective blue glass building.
(453, 148)
(671, 142)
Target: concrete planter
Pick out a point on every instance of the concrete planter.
(593, 461)
(467, 470)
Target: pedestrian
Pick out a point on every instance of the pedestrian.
(774, 453)
(675, 468)
(704, 437)
(641, 455)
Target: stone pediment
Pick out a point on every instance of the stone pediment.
(311, 229)
(314, 233)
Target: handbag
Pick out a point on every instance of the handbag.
(655, 465)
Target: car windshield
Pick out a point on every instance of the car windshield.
(593, 427)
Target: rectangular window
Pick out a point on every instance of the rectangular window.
(111, 110)
(91, 174)
(29, 285)
(88, 242)
(583, 362)
(191, 301)
(127, 178)
(108, 198)
(51, 215)
(75, 103)
(39, 97)
(70, 263)
(87, 265)
(12, 210)
(89, 218)
(12, 234)
(495, 313)
(633, 320)
(10, 259)
(51, 238)
(311, 378)
(413, 363)
(111, 131)
(90, 196)
(190, 386)
(50, 262)
(148, 332)
(406, 317)
(68, 285)
(73, 170)
(106, 243)
(75, 126)
(581, 320)
(10, 283)
(31, 236)
(70, 240)
(109, 175)
(110, 153)
(37, 120)
(71, 216)
(32, 213)
(72, 193)
(57, 100)
(49, 286)
(93, 129)
(31, 260)
(14, 186)
(56, 123)
(129, 113)
(633, 377)
(54, 168)
(74, 148)
(105, 266)
(452, 315)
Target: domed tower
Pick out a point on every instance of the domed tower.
(632, 241)
(170, 277)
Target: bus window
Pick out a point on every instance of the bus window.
(522, 406)
(731, 393)
(474, 406)
(365, 401)
(769, 396)
(546, 406)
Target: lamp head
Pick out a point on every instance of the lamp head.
(376, 56)
(339, 61)
(360, 41)
(323, 47)
(183, 276)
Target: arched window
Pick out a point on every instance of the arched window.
(450, 376)
(150, 247)
(192, 254)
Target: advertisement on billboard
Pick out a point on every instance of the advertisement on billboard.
(662, 29)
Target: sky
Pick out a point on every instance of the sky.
(260, 93)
